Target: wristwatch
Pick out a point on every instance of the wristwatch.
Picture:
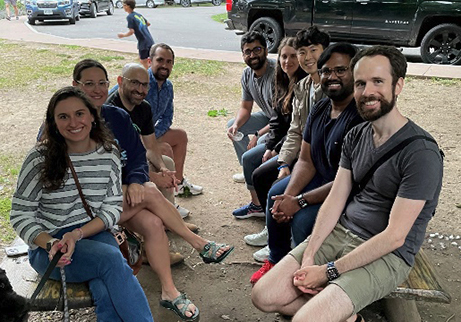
(257, 134)
(303, 203)
(50, 243)
(332, 271)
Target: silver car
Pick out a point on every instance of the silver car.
(142, 3)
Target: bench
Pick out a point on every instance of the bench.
(25, 280)
(421, 285)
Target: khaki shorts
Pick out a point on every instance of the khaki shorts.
(363, 285)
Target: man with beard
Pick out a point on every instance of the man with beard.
(294, 201)
(172, 141)
(365, 239)
(257, 86)
(133, 85)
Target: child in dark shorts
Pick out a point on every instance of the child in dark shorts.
(138, 25)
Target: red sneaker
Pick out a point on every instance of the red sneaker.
(260, 273)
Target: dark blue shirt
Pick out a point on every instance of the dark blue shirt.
(325, 135)
(139, 24)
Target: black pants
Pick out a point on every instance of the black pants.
(264, 177)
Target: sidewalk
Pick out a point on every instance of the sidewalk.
(21, 31)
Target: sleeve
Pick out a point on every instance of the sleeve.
(164, 121)
(25, 202)
(131, 22)
(136, 168)
(422, 171)
(111, 207)
(246, 94)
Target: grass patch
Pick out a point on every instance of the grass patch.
(9, 170)
(185, 66)
(219, 17)
(446, 81)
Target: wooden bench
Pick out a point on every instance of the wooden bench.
(422, 284)
(25, 280)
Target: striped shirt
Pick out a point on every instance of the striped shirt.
(36, 209)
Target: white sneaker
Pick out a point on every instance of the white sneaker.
(239, 178)
(182, 211)
(258, 239)
(186, 188)
(262, 254)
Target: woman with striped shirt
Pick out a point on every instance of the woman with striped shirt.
(48, 214)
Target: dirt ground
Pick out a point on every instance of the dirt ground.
(222, 291)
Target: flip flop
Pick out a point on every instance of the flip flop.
(181, 312)
(209, 252)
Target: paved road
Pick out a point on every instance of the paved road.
(182, 27)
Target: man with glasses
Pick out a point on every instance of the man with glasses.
(133, 85)
(294, 201)
(257, 86)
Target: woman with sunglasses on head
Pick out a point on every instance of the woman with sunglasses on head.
(48, 213)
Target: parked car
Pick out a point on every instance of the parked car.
(188, 3)
(40, 10)
(93, 7)
(433, 25)
(142, 3)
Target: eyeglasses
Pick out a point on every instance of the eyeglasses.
(136, 83)
(339, 71)
(92, 85)
(256, 51)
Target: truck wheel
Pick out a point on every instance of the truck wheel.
(216, 2)
(271, 30)
(185, 3)
(150, 4)
(119, 4)
(111, 9)
(93, 10)
(442, 45)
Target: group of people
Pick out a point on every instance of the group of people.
(345, 182)
(129, 162)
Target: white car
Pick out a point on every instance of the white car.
(142, 3)
(188, 3)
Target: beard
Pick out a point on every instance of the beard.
(386, 107)
(338, 95)
(128, 94)
(161, 77)
(256, 63)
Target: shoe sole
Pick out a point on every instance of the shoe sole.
(256, 214)
(239, 181)
(255, 244)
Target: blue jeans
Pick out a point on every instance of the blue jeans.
(300, 226)
(251, 160)
(255, 123)
(117, 294)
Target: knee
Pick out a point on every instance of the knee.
(259, 298)
(230, 123)
(169, 163)
(166, 149)
(152, 194)
(182, 135)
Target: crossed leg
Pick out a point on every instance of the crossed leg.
(275, 292)
(174, 144)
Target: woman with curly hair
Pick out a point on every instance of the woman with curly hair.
(48, 213)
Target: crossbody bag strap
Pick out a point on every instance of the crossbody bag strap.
(388, 155)
(79, 187)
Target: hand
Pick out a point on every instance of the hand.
(120, 35)
(288, 205)
(231, 132)
(284, 172)
(253, 142)
(163, 179)
(311, 279)
(135, 194)
(66, 246)
(269, 154)
(277, 213)
(172, 175)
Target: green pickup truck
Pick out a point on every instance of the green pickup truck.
(433, 25)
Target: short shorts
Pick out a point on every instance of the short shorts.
(12, 2)
(363, 285)
(143, 53)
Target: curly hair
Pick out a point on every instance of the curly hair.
(283, 86)
(53, 147)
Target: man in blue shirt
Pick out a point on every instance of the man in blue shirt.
(173, 141)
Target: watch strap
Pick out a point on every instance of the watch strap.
(303, 203)
(332, 271)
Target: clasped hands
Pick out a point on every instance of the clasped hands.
(284, 208)
(66, 246)
(310, 278)
(165, 178)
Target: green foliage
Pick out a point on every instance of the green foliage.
(446, 81)
(216, 113)
(7, 233)
(219, 17)
(19, 4)
(9, 169)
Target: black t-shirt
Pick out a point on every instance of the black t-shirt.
(141, 115)
(325, 135)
